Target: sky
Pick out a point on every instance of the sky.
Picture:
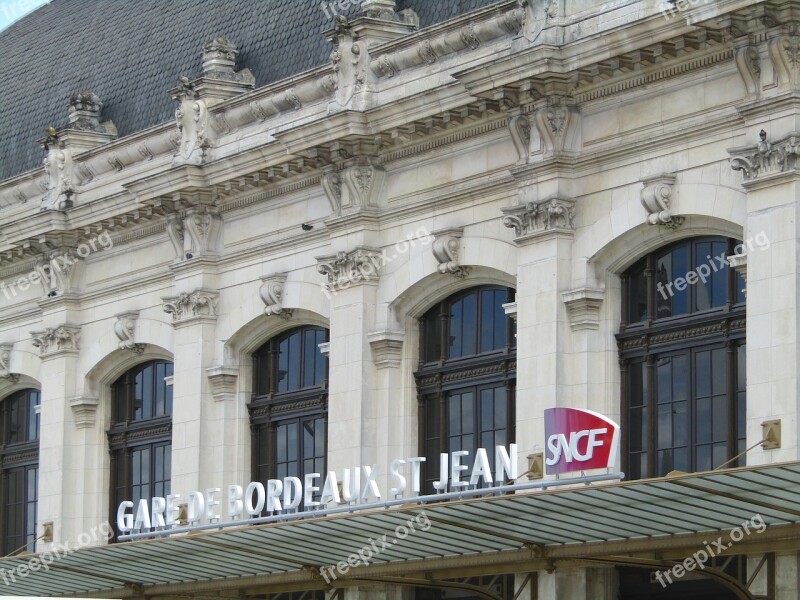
(11, 10)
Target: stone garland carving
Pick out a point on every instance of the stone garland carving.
(445, 249)
(124, 328)
(199, 303)
(552, 214)
(656, 199)
(350, 268)
(56, 339)
(272, 293)
(765, 157)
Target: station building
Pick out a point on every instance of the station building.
(286, 250)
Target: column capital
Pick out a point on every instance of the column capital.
(190, 307)
(57, 341)
(767, 162)
(345, 269)
(534, 220)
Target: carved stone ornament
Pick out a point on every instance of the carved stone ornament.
(187, 306)
(332, 186)
(766, 158)
(5, 363)
(125, 328)
(192, 119)
(350, 60)
(345, 269)
(84, 112)
(583, 307)
(656, 197)
(748, 61)
(558, 124)
(784, 52)
(222, 381)
(556, 213)
(446, 244)
(387, 348)
(59, 270)
(271, 292)
(364, 185)
(520, 129)
(54, 340)
(59, 172)
(84, 411)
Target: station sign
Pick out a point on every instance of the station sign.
(579, 440)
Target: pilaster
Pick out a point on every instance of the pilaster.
(772, 233)
(544, 235)
(352, 279)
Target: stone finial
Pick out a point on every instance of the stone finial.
(84, 112)
(272, 294)
(656, 197)
(378, 9)
(219, 57)
(445, 248)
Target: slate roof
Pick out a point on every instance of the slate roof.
(131, 52)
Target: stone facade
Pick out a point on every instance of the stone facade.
(544, 146)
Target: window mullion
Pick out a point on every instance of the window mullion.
(731, 355)
(651, 415)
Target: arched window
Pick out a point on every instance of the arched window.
(682, 351)
(19, 454)
(466, 376)
(288, 411)
(140, 437)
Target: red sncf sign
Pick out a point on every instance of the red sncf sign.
(579, 440)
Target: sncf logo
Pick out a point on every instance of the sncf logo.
(579, 440)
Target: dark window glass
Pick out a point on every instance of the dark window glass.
(289, 405)
(474, 409)
(684, 395)
(140, 437)
(19, 456)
